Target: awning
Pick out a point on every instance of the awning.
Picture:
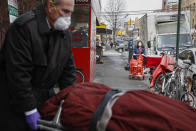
(103, 31)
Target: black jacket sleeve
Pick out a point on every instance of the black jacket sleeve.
(19, 67)
(68, 76)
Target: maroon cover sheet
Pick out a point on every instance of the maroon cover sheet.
(135, 110)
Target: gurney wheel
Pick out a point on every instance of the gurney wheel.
(142, 77)
(130, 77)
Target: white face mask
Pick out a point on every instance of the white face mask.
(62, 23)
(140, 44)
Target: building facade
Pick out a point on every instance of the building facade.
(169, 5)
(164, 4)
(23, 6)
(190, 5)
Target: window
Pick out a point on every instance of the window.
(80, 26)
(183, 55)
(190, 56)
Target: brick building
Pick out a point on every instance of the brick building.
(190, 5)
(169, 5)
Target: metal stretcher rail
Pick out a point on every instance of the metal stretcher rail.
(55, 124)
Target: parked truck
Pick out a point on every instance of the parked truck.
(158, 31)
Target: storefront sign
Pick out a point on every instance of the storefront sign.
(194, 35)
(13, 10)
(172, 2)
(82, 1)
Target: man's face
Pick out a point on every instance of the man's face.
(63, 8)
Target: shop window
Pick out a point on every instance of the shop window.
(80, 26)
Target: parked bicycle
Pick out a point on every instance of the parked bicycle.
(80, 76)
(163, 68)
(184, 87)
(177, 84)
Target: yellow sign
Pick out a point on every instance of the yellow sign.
(123, 32)
(130, 22)
(194, 35)
(101, 26)
(119, 33)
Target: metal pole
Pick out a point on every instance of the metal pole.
(178, 30)
(131, 48)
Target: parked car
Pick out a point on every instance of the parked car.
(118, 41)
(190, 54)
(122, 46)
(127, 39)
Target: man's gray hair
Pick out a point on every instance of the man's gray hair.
(55, 2)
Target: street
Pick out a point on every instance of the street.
(113, 74)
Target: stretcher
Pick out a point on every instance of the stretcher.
(96, 107)
(55, 124)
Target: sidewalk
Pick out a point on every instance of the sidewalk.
(113, 74)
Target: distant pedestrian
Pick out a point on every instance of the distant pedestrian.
(139, 48)
(111, 44)
(130, 50)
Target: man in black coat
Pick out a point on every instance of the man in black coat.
(36, 57)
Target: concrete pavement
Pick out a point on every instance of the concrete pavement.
(113, 74)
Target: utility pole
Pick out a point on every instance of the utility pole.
(131, 42)
(178, 30)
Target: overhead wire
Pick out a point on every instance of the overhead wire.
(138, 12)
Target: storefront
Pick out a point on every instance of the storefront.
(84, 19)
(83, 28)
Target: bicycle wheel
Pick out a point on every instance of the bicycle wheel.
(172, 90)
(188, 98)
(159, 82)
(80, 76)
(194, 86)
